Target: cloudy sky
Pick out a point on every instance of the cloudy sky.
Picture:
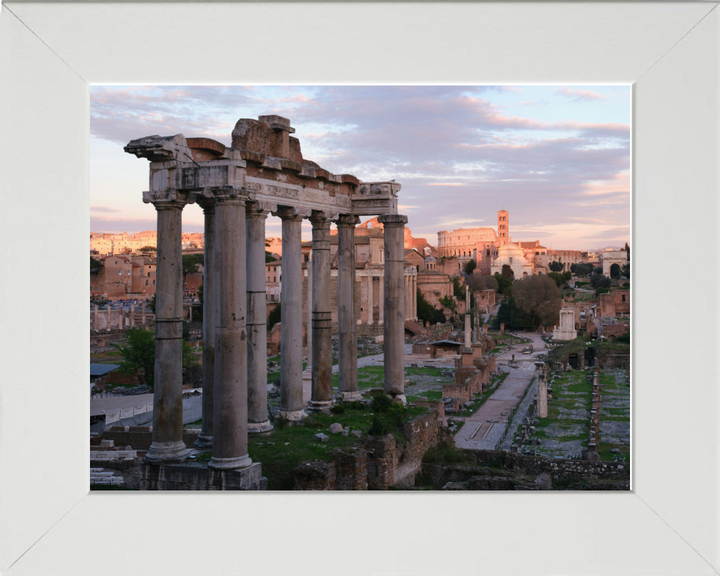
(557, 158)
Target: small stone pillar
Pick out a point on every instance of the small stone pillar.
(394, 327)
(95, 317)
(167, 443)
(502, 328)
(144, 308)
(468, 342)
(291, 392)
(321, 397)
(542, 393)
(255, 215)
(346, 307)
(485, 328)
(132, 315)
(205, 438)
(230, 407)
(370, 298)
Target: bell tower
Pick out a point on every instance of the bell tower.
(503, 228)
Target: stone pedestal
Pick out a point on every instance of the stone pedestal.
(231, 369)
(394, 327)
(167, 444)
(196, 476)
(321, 398)
(348, 385)
(258, 422)
(468, 336)
(291, 392)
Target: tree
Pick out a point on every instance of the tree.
(269, 257)
(139, 354)
(458, 289)
(598, 270)
(556, 277)
(614, 271)
(510, 315)
(582, 269)
(94, 264)
(504, 283)
(275, 316)
(627, 249)
(147, 249)
(478, 282)
(539, 298)
(152, 303)
(448, 302)
(626, 270)
(507, 271)
(190, 263)
(470, 266)
(425, 310)
(600, 281)
(556, 266)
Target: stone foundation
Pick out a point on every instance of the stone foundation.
(196, 476)
(380, 463)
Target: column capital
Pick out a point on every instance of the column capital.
(393, 219)
(257, 209)
(168, 198)
(347, 220)
(291, 212)
(320, 218)
(226, 194)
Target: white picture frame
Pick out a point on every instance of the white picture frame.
(51, 524)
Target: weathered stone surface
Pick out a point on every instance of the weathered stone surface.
(194, 476)
(336, 428)
(321, 437)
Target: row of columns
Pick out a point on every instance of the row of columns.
(234, 323)
(410, 298)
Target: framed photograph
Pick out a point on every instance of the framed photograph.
(50, 55)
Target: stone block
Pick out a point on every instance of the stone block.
(321, 437)
(196, 476)
(336, 428)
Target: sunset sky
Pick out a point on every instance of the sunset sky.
(556, 157)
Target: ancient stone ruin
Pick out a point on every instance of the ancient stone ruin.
(262, 173)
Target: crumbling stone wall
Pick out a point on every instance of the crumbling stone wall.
(498, 470)
(380, 463)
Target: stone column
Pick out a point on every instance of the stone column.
(381, 305)
(205, 438)
(109, 319)
(321, 395)
(132, 315)
(370, 298)
(144, 309)
(230, 407)
(291, 348)
(346, 307)
(95, 317)
(167, 443)
(394, 328)
(307, 373)
(413, 296)
(255, 216)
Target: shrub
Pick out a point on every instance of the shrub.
(381, 403)
(338, 409)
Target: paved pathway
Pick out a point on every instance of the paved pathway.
(485, 429)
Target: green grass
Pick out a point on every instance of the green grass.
(284, 449)
(427, 395)
(605, 454)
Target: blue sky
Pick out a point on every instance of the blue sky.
(556, 157)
